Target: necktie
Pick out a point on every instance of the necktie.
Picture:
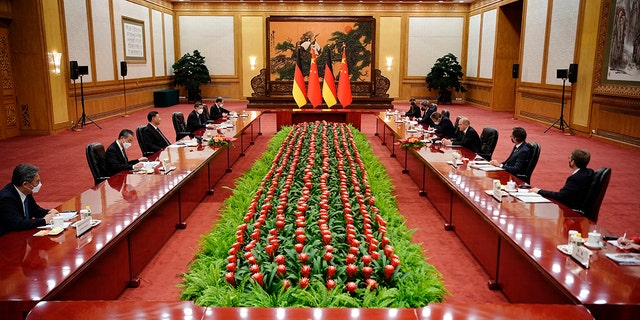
(124, 153)
(26, 208)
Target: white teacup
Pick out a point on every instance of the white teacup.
(511, 185)
(594, 238)
(57, 222)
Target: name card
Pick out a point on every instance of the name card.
(497, 190)
(83, 226)
(582, 255)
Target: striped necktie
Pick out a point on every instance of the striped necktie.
(26, 208)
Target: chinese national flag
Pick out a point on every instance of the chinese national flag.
(344, 84)
(314, 95)
(329, 84)
(299, 89)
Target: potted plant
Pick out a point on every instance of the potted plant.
(190, 72)
(445, 74)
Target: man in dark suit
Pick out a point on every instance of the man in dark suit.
(443, 125)
(18, 209)
(414, 110)
(577, 184)
(153, 139)
(116, 156)
(467, 138)
(196, 119)
(517, 161)
(427, 109)
(217, 111)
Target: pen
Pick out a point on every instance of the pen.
(624, 236)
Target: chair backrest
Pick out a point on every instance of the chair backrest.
(593, 200)
(533, 161)
(96, 158)
(489, 139)
(139, 135)
(179, 125)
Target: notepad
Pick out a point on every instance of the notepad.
(629, 259)
(486, 167)
(530, 197)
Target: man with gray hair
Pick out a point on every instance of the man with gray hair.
(427, 110)
(19, 210)
(217, 111)
(467, 138)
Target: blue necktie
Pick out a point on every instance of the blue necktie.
(26, 208)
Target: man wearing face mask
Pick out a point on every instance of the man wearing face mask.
(196, 120)
(217, 111)
(443, 126)
(116, 156)
(517, 161)
(577, 184)
(19, 210)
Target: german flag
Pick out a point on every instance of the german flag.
(299, 90)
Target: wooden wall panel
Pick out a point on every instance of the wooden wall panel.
(479, 93)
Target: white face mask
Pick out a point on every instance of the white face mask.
(37, 188)
(200, 111)
(126, 145)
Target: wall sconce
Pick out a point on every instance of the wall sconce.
(54, 61)
(389, 63)
(252, 62)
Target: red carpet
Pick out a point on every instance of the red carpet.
(65, 173)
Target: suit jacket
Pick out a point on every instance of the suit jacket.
(426, 117)
(414, 111)
(518, 160)
(12, 216)
(469, 140)
(445, 129)
(574, 191)
(153, 139)
(116, 161)
(216, 112)
(196, 121)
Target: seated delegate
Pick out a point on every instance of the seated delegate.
(577, 185)
(443, 126)
(518, 160)
(196, 119)
(467, 138)
(152, 137)
(116, 155)
(18, 209)
(414, 110)
(217, 111)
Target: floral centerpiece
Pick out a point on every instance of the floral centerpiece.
(412, 142)
(219, 141)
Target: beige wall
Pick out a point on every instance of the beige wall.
(588, 102)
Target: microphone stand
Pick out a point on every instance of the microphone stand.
(561, 123)
(74, 126)
(84, 117)
(124, 90)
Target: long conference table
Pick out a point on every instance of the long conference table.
(137, 212)
(515, 242)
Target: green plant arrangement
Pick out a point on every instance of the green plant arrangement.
(190, 72)
(445, 75)
(313, 223)
(220, 141)
(411, 142)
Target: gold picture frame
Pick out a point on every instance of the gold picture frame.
(133, 35)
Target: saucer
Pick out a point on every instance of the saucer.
(564, 248)
(598, 245)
